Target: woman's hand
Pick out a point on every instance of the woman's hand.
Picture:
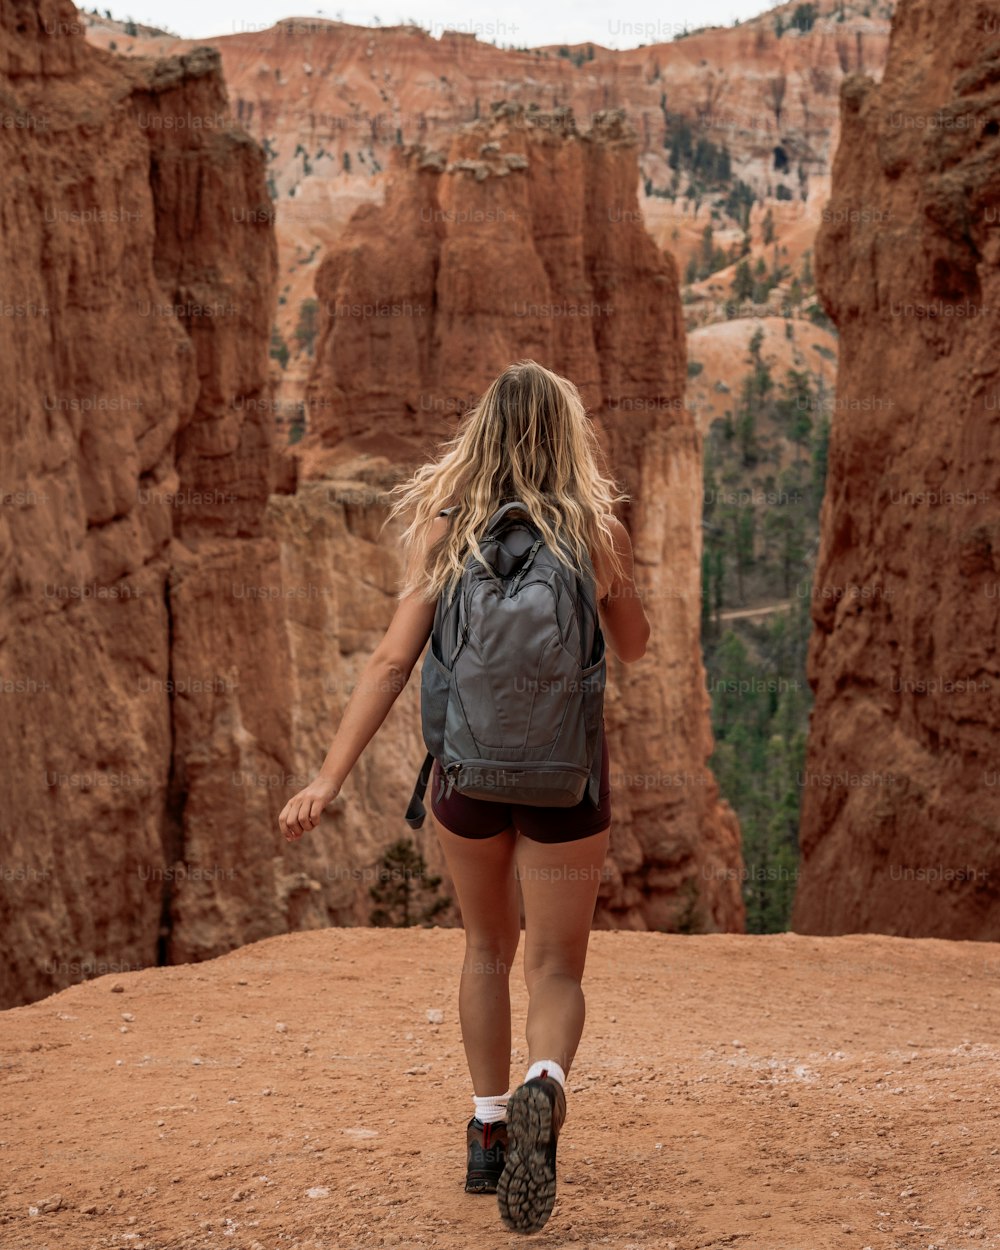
(304, 809)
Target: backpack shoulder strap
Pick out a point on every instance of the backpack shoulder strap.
(416, 811)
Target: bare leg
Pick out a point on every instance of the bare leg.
(483, 872)
(560, 883)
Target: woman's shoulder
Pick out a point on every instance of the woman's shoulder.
(601, 559)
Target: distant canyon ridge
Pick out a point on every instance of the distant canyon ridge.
(332, 103)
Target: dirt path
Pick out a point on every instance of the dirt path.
(773, 1093)
(740, 614)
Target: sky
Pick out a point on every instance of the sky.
(518, 22)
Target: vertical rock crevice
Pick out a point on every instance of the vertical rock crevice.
(173, 811)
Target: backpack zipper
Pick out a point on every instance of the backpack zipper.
(524, 567)
(451, 770)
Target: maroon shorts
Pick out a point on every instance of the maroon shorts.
(482, 818)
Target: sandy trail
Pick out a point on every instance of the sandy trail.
(773, 1093)
(740, 614)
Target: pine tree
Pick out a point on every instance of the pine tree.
(403, 879)
(305, 331)
(742, 282)
(279, 348)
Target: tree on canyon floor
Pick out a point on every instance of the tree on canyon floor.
(760, 715)
(307, 327)
(297, 425)
(765, 470)
(406, 893)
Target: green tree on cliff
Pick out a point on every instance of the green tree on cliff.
(742, 282)
(305, 331)
(279, 348)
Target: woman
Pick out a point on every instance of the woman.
(529, 439)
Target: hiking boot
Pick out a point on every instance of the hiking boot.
(526, 1192)
(487, 1155)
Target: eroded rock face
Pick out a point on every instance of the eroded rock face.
(180, 625)
(136, 469)
(524, 239)
(330, 102)
(901, 811)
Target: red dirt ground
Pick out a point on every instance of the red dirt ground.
(767, 1093)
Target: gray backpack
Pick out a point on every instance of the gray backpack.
(512, 686)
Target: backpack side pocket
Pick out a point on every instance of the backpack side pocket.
(593, 680)
(435, 689)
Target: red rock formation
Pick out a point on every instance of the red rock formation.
(176, 639)
(136, 468)
(524, 238)
(328, 87)
(331, 102)
(901, 813)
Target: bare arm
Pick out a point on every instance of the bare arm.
(623, 618)
(383, 677)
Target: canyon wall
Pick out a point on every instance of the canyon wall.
(522, 237)
(901, 807)
(136, 467)
(181, 620)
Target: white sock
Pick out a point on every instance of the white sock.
(491, 1108)
(547, 1067)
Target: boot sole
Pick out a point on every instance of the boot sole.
(526, 1192)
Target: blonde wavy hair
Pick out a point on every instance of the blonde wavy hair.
(528, 438)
